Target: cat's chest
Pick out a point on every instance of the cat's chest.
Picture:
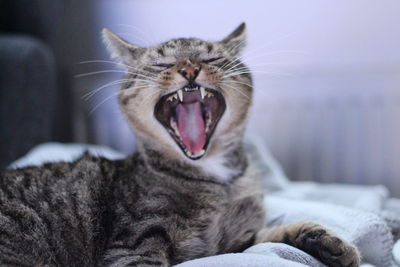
(202, 219)
(227, 225)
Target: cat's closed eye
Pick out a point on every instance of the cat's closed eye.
(163, 65)
(210, 60)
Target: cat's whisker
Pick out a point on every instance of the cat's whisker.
(87, 96)
(263, 47)
(255, 72)
(238, 70)
(134, 79)
(93, 92)
(235, 58)
(227, 64)
(114, 71)
(252, 67)
(98, 61)
(230, 52)
(102, 102)
(257, 56)
(247, 58)
(239, 90)
(237, 62)
(230, 61)
(104, 61)
(116, 63)
(232, 69)
(236, 89)
(235, 47)
(238, 82)
(111, 71)
(261, 58)
(246, 69)
(265, 64)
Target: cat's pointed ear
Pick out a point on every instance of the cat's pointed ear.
(120, 49)
(236, 41)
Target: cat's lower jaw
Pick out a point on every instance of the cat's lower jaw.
(222, 164)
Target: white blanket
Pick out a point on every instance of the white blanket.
(362, 215)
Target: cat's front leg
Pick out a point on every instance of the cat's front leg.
(314, 239)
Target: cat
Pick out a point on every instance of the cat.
(189, 191)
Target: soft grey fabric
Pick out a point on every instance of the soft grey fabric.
(368, 231)
(27, 94)
(56, 152)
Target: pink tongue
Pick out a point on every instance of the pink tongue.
(191, 126)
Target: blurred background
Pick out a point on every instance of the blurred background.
(327, 76)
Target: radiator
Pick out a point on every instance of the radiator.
(332, 129)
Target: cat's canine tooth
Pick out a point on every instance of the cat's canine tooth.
(202, 92)
(180, 95)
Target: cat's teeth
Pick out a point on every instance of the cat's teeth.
(190, 154)
(172, 97)
(202, 92)
(175, 127)
(180, 95)
(209, 94)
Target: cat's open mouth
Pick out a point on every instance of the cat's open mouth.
(190, 115)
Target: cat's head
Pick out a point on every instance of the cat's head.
(186, 97)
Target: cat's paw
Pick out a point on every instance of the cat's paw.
(327, 247)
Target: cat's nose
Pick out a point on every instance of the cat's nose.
(190, 73)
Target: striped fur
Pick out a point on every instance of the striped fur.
(96, 212)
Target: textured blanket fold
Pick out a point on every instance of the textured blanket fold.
(367, 231)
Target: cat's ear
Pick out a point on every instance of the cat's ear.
(236, 41)
(120, 49)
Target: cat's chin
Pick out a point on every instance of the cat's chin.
(190, 115)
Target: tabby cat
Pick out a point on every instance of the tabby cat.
(188, 192)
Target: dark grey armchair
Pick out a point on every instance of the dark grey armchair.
(28, 76)
(27, 95)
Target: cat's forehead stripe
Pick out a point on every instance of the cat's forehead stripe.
(183, 42)
(161, 51)
(209, 47)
